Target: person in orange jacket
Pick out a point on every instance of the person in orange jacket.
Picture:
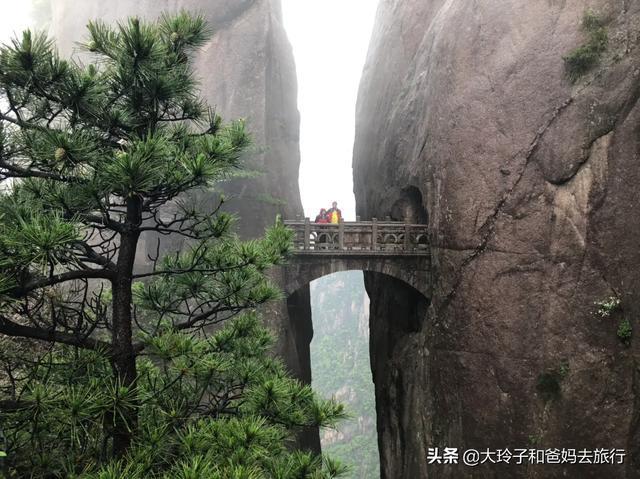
(334, 213)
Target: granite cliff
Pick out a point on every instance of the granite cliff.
(468, 120)
(246, 71)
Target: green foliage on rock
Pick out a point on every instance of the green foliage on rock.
(270, 200)
(607, 306)
(548, 385)
(624, 331)
(563, 370)
(535, 439)
(110, 367)
(579, 61)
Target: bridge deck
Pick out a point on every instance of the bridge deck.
(359, 238)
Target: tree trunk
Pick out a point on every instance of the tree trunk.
(123, 359)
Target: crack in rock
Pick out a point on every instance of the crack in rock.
(488, 226)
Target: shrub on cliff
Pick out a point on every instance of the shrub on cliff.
(110, 369)
(584, 58)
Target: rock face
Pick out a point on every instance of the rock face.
(246, 71)
(466, 119)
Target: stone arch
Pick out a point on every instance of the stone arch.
(408, 275)
(302, 270)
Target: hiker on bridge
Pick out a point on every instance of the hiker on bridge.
(334, 214)
(322, 217)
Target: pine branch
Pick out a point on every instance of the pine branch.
(95, 257)
(22, 291)
(17, 172)
(11, 328)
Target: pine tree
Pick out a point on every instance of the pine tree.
(113, 369)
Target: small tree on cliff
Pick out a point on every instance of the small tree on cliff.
(109, 360)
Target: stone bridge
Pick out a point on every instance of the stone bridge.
(393, 248)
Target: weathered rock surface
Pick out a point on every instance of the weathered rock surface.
(246, 71)
(529, 184)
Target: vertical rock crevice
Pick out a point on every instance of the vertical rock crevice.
(397, 316)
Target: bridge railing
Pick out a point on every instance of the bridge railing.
(359, 237)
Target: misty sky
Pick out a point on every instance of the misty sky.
(15, 17)
(330, 40)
